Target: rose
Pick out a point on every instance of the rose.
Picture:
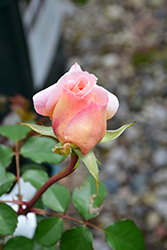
(78, 108)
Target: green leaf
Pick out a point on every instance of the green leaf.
(39, 149)
(49, 231)
(14, 132)
(113, 134)
(43, 130)
(18, 243)
(10, 178)
(8, 220)
(3, 176)
(6, 155)
(90, 162)
(85, 198)
(39, 247)
(36, 177)
(78, 238)
(34, 166)
(124, 235)
(56, 197)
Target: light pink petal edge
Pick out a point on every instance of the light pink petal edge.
(75, 68)
(103, 96)
(40, 100)
(112, 105)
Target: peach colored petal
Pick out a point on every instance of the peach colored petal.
(67, 107)
(88, 127)
(71, 76)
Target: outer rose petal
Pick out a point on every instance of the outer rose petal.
(67, 107)
(112, 101)
(100, 95)
(112, 105)
(40, 99)
(75, 68)
(88, 127)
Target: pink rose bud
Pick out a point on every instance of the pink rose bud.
(77, 107)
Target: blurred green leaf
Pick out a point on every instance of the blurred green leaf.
(43, 130)
(8, 219)
(113, 134)
(56, 197)
(39, 205)
(124, 235)
(49, 231)
(3, 176)
(78, 238)
(14, 132)
(6, 155)
(39, 247)
(18, 243)
(34, 166)
(10, 178)
(85, 198)
(80, 1)
(39, 149)
(90, 162)
(36, 177)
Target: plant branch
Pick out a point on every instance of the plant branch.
(17, 154)
(64, 216)
(52, 180)
(15, 202)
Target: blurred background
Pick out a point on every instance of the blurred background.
(123, 43)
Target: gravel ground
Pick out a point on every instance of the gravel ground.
(124, 43)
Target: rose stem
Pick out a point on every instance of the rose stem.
(52, 180)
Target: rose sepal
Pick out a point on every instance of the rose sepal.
(41, 129)
(90, 162)
(113, 134)
(64, 149)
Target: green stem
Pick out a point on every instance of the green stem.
(17, 155)
(52, 180)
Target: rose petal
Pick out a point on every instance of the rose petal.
(75, 68)
(40, 99)
(88, 127)
(74, 73)
(67, 107)
(112, 105)
(102, 96)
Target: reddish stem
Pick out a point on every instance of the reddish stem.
(52, 180)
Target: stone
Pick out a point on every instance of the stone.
(112, 185)
(160, 157)
(114, 12)
(110, 60)
(161, 207)
(153, 219)
(160, 176)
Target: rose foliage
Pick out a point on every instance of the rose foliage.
(32, 207)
